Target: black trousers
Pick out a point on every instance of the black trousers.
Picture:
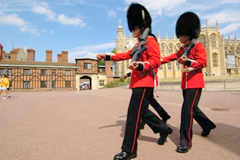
(153, 102)
(190, 110)
(137, 110)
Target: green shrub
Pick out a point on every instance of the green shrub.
(117, 83)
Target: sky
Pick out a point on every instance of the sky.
(87, 27)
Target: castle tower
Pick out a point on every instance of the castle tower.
(120, 45)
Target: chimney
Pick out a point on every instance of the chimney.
(59, 58)
(65, 56)
(108, 70)
(48, 56)
(30, 54)
(1, 52)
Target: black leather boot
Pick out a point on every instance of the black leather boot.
(163, 137)
(125, 156)
(206, 132)
(141, 125)
(182, 149)
(165, 118)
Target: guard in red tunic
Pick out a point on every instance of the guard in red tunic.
(193, 57)
(142, 82)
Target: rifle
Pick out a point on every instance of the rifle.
(190, 46)
(138, 50)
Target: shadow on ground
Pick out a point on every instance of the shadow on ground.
(224, 135)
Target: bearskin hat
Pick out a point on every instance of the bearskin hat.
(137, 15)
(188, 24)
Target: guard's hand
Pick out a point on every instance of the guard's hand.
(182, 59)
(101, 56)
(125, 77)
(133, 65)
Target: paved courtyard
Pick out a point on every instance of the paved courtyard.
(89, 125)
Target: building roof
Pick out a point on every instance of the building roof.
(36, 64)
(86, 59)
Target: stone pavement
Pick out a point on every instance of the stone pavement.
(89, 125)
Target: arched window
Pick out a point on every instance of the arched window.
(161, 67)
(169, 66)
(203, 40)
(238, 48)
(170, 48)
(178, 46)
(215, 59)
(213, 40)
(232, 48)
(177, 66)
(163, 48)
(127, 63)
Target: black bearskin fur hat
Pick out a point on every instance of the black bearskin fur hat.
(137, 15)
(188, 24)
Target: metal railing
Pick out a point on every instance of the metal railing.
(224, 85)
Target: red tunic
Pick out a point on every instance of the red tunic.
(151, 60)
(192, 79)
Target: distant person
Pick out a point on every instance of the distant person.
(1, 84)
(8, 88)
(4, 85)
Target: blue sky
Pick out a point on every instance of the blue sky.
(87, 27)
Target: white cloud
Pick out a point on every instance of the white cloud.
(226, 16)
(230, 28)
(70, 21)
(89, 51)
(157, 7)
(29, 28)
(15, 20)
(230, 1)
(12, 19)
(112, 13)
(42, 8)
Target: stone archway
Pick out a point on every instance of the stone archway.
(85, 83)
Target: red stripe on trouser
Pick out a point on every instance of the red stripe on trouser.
(191, 119)
(137, 122)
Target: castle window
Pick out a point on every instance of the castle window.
(213, 40)
(170, 48)
(169, 66)
(177, 66)
(178, 46)
(67, 84)
(232, 48)
(238, 49)
(163, 45)
(87, 65)
(203, 40)
(26, 84)
(53, 84)
(53, 72)
(43, 84)
(68, 73)
(101, 83)
(26, 72)
(9, 72)
(43, 72)
(2, 71)
(215, 60)
(161, 67)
